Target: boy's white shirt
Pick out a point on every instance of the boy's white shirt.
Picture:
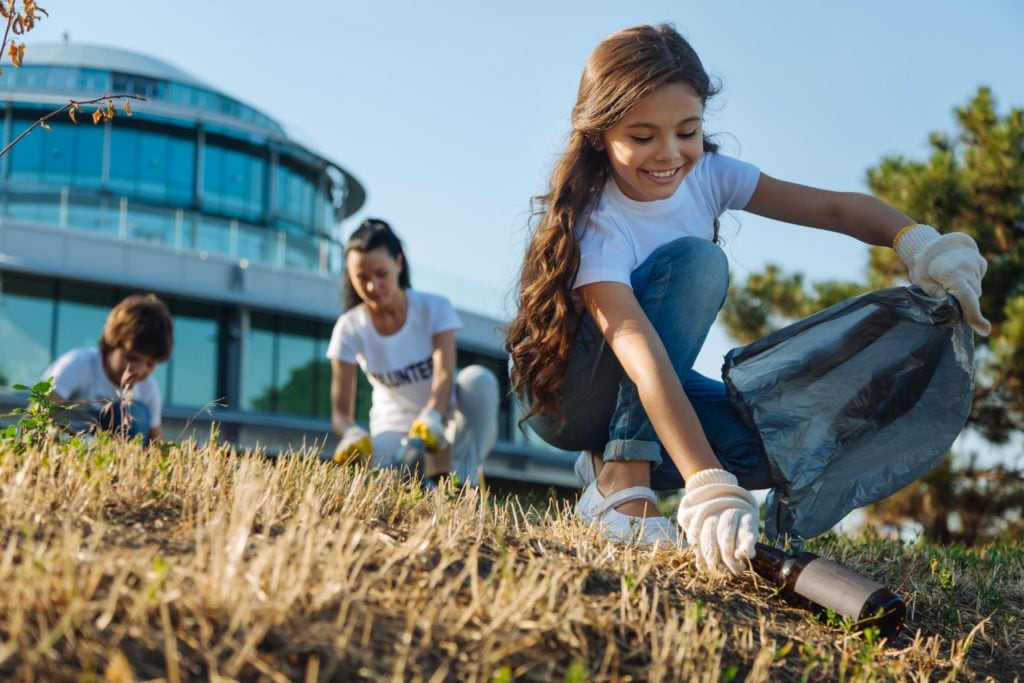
(621, 233)
(399, 366)
(80, 377)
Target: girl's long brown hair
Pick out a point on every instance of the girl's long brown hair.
(623, 69)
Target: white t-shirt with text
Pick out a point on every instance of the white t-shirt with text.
(399, 366)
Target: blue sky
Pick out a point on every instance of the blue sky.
(451, 113)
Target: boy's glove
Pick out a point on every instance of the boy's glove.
(720, 518)
(946, 263)
(355, 447)
(429, 427)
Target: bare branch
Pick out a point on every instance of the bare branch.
(72, 104)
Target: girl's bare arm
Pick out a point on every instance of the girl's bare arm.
(858, 215)
(636, 344)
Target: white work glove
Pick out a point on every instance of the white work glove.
(720, 519)
(429, 426)
(946, 263)
(355, 447)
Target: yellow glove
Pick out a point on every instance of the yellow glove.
(429, 427)
(355, 447)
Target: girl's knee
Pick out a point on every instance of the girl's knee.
(700, 263)
(695, 251)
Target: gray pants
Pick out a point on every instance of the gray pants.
(472, 429)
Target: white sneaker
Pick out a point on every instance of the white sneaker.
(585, 469)
(597, 510)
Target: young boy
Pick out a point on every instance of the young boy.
(138, 335)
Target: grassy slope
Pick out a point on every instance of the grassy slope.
(192, 563)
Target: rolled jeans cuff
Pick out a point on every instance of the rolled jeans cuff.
(619, 450)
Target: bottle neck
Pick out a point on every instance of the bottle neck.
(768, 561)
(778, 566)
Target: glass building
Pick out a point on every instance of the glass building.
(209, 203)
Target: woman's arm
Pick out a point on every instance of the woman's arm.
(858, 215)
(636, 344)
(343, 395)
(444, 372)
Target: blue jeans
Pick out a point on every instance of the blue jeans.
(681, 288)
(112, 418)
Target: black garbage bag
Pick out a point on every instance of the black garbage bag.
(854, 402)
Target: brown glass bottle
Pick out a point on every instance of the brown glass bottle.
(817, 584)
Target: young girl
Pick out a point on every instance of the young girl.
(623, 279)
(404, 342)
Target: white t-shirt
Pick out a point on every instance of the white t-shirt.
(622, 232)
(399, 366)
(80, 377)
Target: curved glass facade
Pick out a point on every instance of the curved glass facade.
(80, 81)
(173, 185)
(197, 197)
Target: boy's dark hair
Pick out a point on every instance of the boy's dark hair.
(142, 324)
(372, 234)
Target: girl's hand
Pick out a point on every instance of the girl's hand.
(429, 426)
(355, 446)
(946, 263)
(720, 519)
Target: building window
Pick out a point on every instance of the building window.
(57, 155)
(26, 157)
(81, 312)
(132, 84)
(94, 81)
(260, 354)
(26, 328)
(65, 155)
(191, 373)
(296, 199)
(152, 164)
(297, 369)
(233, 182)
(285, 368)
(301, 248)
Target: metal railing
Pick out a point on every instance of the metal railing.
(181, 229)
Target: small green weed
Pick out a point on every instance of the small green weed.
(577, 673)
(36, 422)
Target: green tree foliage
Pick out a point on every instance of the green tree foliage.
(772, 298)
(296, 394)
(989, 503)
(972, 182)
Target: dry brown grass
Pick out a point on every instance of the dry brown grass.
(193, 563)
